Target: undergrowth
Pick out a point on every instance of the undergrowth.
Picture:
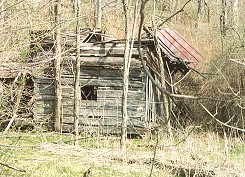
(51, 154)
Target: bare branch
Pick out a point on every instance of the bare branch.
(20, 90)
(161, 89)
(182, 9)
(241, 61)
(222, 123)
(11, 167)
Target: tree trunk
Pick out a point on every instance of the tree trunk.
(125, 82)
(98, 14)
(127, 60)
(234, 15)
(199, 12)
(166, 100)
(77, 94)
(1, 91)
(2, 12)
(174, 9)
(223, 19)
(57, 108)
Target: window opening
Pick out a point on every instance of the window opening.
(89, 93)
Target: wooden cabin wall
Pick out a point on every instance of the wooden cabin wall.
(105, 74)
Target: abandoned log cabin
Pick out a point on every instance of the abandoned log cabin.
(101, 79)
(100, 83)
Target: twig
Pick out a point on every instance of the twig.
(237, 61)
(182, 78)
(154, 156)
(182, 9)
(161, 89)
(17, 101)
(222, 123)
(11, 167)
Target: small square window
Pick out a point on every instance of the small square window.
(89, 93)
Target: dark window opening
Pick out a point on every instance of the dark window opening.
(89, 93)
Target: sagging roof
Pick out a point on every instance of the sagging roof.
(178, 51)
(45, 38)
(180, 48)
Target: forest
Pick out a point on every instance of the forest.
(91, 88)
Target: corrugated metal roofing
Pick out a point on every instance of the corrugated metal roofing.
(174, 45)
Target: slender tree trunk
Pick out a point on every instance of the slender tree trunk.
(2, 12)
(223, 18)
(98, 13)
(166, 101)
(199, 12)
(174, 9)
(1, 91)
(127, 60)
(57, 108)
(125, 81)
(77, 94)
(234, 15)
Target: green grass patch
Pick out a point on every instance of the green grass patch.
(52, 154)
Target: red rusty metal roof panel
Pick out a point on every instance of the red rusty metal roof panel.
(176, 45)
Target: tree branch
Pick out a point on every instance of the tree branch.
(222, 123)
(161, 89)
(11, 167)
(238, 61)
(182, 9)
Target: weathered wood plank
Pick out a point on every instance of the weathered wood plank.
(92, 82)
(110, 78)
(90, 103)
(135, 111)
(45, 90)
(107, 49)
(43, 118)
(103, 71)
(134, 95)
(102, 121)
(118, 94)
(115, 130)
(105, 61)
(44, 98)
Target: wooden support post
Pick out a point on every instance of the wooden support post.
(57, 108)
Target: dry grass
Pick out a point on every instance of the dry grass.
(52, 155)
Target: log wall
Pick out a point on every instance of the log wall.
(101, 69)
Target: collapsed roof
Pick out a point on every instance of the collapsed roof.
(179, 54)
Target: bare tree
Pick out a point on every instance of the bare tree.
(166, 106)
(223, 18)
(77, 94)
(234, 13)
(57, 108)
(127, 60)
(2, 11)
(1, 90)
(199, 12)
(125, 80)
(98, 13)
(174, 9)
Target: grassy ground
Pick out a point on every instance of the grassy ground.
(50, 154)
